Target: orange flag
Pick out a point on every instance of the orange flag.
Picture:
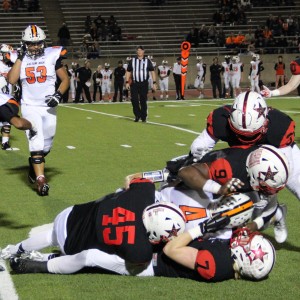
(185, 53)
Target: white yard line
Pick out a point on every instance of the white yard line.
(7, 289)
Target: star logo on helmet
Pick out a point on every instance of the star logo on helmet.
(173, 231)
(268, 175)
(260, 110)
(258, 254)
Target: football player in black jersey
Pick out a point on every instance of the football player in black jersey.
(112, 224)
(249, 121)
(247, 256)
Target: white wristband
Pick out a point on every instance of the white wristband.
(211, 186)
(275, 93)
(195, 232)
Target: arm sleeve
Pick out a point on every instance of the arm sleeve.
(203, 141)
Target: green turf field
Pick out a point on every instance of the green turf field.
(108, 146)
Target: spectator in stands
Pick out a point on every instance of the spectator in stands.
(93, 51)
(87, 24)
(6, 5)
(270, 21)
(94, 32)
(281, 43)
(110, 23)
(267, 34)
(217, 18)
(294, 44)
(99, 21)
(220, 38)
(246, 4)
(116, 32)
(64, 35)
(285, 28)
(203, 34)
(33, 5)
(14, 5)
(277, 27)
(193, 36)
(230, 41)
(239, 39)
(212, 32)
(249, 41)
(86, 42)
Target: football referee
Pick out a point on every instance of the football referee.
(137, 76)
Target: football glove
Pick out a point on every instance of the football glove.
(210, 225)
(21, 53)
(213, 224)
(53, 100)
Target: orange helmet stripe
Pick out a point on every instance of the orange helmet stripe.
(34, 30)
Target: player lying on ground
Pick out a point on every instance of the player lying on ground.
(248, 256)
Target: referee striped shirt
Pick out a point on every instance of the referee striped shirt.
(140, 69)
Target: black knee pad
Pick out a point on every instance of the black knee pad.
(37, 157)
(5, 129)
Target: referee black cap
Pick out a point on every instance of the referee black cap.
(179, 58)
(140, 47)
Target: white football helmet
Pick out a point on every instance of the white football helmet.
(268, 169)
(164, 62)
(128, 58)
(106, 65)
(150, 57)
(199, 58)
(236, 59)
(163, 221)
(4, 85)
(239, 207)
(255, 57)
(4, 50)
(227, 58)
(253, 254)
(248, 118)
(34, 35)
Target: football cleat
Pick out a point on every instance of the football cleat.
(6, 146)
(42, 186)
(31, 173)
(32, 255)
(280, 229)
(6, 253)
(23, 266)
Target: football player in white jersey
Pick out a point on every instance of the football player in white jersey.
(150, 81)
(73, 80)
(255, 68)
(163, 72)
(105, 77)
(37, 68)
(236, 68)
(126, 91)
(226, 75)
(199, 81)
(5, 66)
